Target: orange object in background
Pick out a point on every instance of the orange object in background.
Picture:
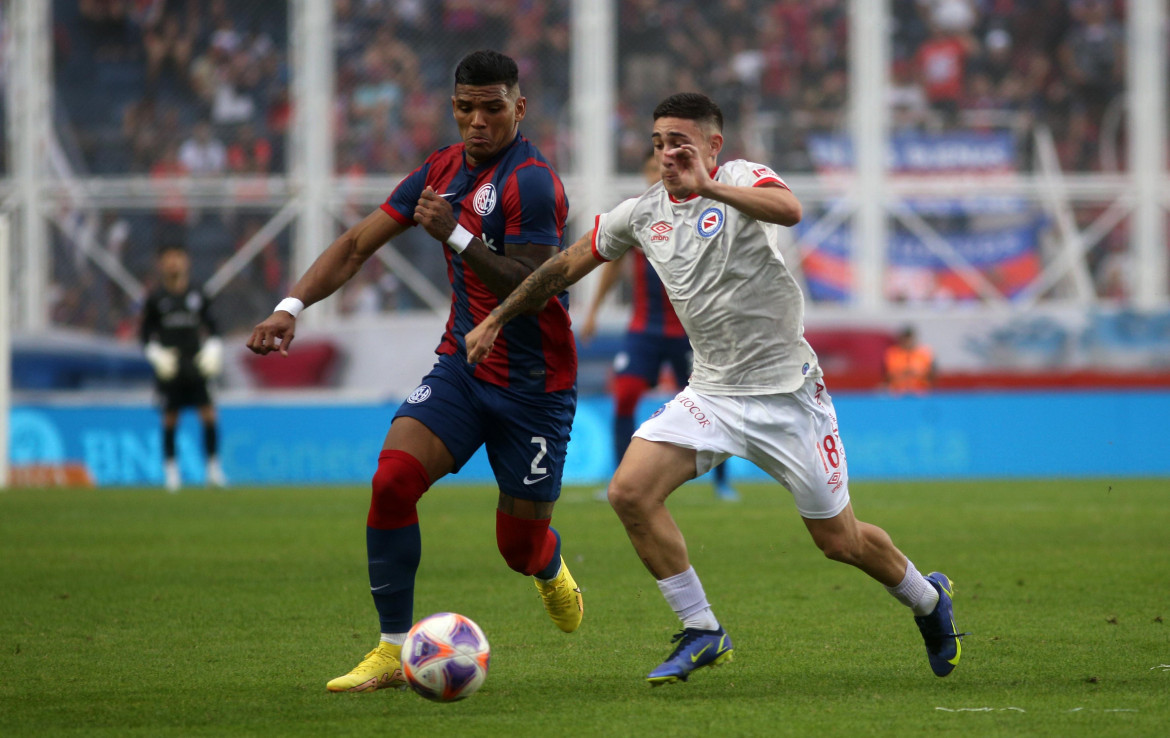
(908, 366)
(65, 474)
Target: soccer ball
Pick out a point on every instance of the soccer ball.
(445, 657)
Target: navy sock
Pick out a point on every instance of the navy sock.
(721, 473)
(169, 443)
(623, 430)
(393, 557)
(550, 571)
(210, 439)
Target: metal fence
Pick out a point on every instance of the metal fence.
(979, 153)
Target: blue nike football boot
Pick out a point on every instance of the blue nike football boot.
(695, 649)
(943, 639)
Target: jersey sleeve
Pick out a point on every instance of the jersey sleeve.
(402, 201)
(613, 233)
(535, 206)
(749, 174)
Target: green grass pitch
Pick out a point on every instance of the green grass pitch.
(136, 613)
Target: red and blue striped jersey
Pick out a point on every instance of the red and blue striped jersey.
(514, 198)
(653, 314)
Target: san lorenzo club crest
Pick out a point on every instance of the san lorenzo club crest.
(420, 394)
(485, 199)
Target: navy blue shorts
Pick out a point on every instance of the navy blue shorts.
(643, 355)
(526, 433)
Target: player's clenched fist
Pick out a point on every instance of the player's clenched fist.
(274, 334)
(435, 214)
(481, 339)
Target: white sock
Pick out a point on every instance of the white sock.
(915, 592)
(395, 638)
(684, 593)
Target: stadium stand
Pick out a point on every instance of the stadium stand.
(166, 88)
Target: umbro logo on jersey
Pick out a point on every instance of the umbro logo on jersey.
(710, 222)
(661, 229)
(485, 199)
(420, 394)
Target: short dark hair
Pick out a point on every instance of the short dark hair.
(166, 246)
(691, 106)
(487, 67)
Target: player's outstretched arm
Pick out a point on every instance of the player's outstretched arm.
(333, 268)
(549, 279)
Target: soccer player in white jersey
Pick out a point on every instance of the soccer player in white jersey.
(756, 391)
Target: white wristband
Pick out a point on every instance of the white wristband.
(290, 305)
(459, 239)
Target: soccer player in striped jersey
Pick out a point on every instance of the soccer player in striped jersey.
(654, 339)
(756, 391)
(499, 209)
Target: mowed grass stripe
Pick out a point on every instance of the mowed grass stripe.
(132, 612)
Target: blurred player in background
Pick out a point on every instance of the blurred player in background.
(654, 338)
(500, 209)
(185, 351)
(756, 391)
(908, 366)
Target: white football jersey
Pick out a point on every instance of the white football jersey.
(742, 309)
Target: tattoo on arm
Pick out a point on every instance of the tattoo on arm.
(549, 279)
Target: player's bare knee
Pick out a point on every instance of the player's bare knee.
(609, 494)
(396, 488)
(628, 500)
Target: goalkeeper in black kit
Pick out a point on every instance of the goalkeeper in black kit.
(179, 334)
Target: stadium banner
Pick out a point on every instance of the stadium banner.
(1006, 251)
(943, 435)
(926, 154)
(1008, 257)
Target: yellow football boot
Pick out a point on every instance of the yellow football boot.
(562, 599)
(381, 668)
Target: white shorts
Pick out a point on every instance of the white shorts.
(793, 437)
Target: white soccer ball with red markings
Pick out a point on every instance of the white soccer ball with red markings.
(445, 657)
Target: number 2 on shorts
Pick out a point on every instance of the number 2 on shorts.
(540, 454)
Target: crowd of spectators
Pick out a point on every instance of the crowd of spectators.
(394, 66)
(167, 88)
(135, 77)
(779, 69)
(1016, 64)
(201, 87)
